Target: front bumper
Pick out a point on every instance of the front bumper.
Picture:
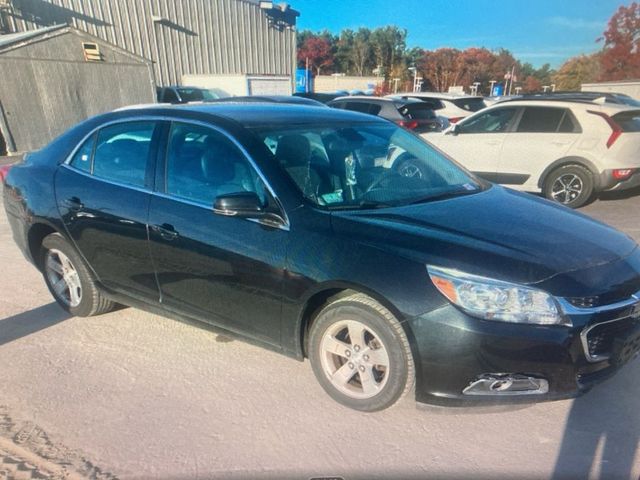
(456, 353)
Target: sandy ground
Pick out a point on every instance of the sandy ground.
(132, 395)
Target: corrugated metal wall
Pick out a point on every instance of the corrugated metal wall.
(47, 86)
(188, 36)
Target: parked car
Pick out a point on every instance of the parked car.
(178, 94)
(408, 113)
(452, 106)
(220, 213)
(568, 150)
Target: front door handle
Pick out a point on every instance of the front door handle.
(74, 204)
(166, 231)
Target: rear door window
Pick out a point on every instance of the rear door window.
(541, 120)
(494, 121)
(417, 111)
(82, 158)
(363, 107)
(122, 152)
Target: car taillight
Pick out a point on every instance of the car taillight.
(622, 173)
(455, 119)
(4, 170)
(616, 130)
(408, 124)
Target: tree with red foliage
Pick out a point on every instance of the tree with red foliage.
(620, 58)
(317, 51)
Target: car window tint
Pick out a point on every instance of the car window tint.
(417, 111)
(202, 164)
(568, 124)
(540, 119)
(628, 121)
(469, 104)
(361, 107)
(82, 158)
(170, 96)
(493, 121)
(433, 103)
(122, 152)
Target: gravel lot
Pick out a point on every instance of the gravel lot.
(133, 395)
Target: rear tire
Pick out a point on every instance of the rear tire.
(69, 279)
(570, 185)
(360, 354)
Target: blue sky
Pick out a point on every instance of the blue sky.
(536, 31)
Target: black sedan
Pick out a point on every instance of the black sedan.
(289, 226)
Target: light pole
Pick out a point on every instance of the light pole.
(474, 88)
(414, 70)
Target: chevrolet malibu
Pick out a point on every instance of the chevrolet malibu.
(286, 226)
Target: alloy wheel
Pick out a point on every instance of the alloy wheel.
(566, 188)
(354, 359)
(63, 278)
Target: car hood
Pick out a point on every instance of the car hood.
(502, 234)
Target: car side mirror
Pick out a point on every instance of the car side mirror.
(241, 204)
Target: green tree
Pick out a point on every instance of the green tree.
(576, 71)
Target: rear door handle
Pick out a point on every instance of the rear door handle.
(166, 231)
(74, 204)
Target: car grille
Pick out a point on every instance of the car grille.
(601, 339)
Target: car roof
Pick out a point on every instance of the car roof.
(257, 114)
(445, 96)
(270, 99)
(612, 108)
(367, 98)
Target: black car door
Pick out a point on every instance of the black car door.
(103, 196)
(224, 270)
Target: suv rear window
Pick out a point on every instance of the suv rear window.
(469, 104)
(628, 121)
(417, 111)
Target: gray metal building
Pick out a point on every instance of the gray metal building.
(179, 36)
(54, 77)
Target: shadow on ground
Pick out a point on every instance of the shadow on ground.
(25, 323)
(603, 430)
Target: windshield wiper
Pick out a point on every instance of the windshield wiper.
(362, 205)
(442, 195)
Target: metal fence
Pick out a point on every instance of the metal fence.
(179, 36)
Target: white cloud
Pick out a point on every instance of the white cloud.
(576, 23)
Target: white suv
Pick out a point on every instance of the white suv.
(453, 106)
(568, 150)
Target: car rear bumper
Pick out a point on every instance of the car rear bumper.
(611, 184)
(465, 361)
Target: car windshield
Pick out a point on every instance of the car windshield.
(365, 165)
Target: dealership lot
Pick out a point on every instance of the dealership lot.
(141, 396)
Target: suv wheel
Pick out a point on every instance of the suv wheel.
(570, 185)
(360, 354)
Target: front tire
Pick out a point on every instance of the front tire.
(570, 185)
(69, 280)
(360, 354)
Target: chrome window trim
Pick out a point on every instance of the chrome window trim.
(165, 118)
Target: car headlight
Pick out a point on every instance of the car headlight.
(496, 300)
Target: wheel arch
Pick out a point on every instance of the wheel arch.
(36, 234)
(571, 160)
(322, 294)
